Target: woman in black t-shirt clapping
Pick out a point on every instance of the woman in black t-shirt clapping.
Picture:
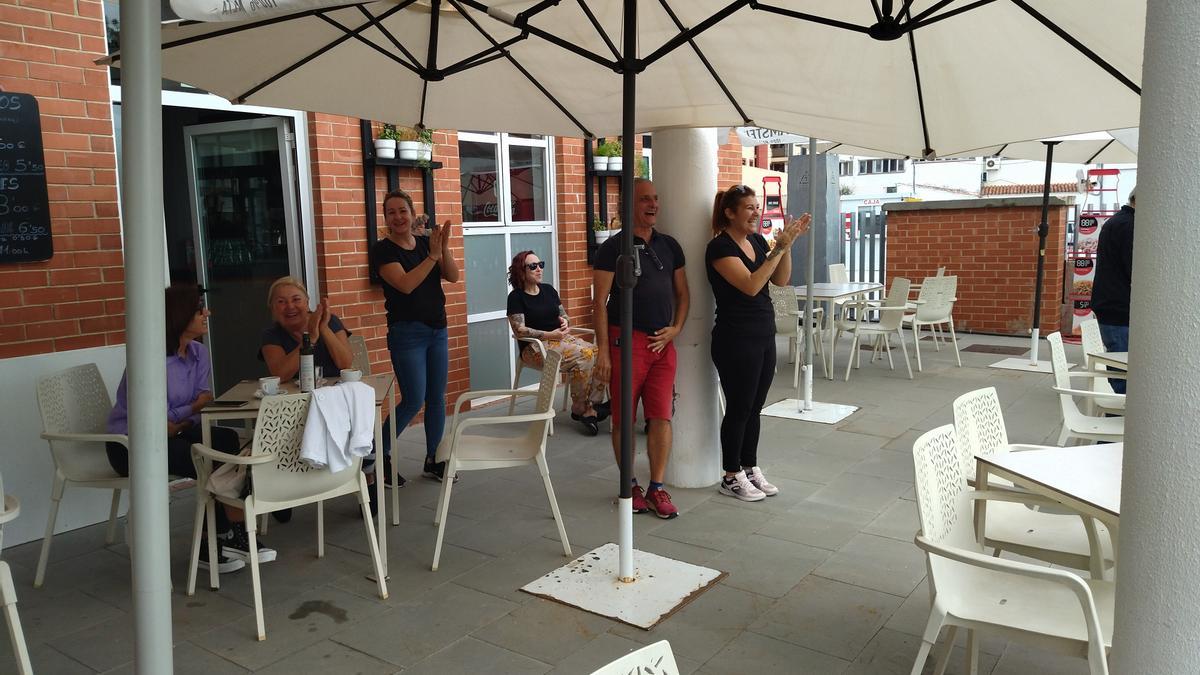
(740, 262)
(535, 311)
(413, 268)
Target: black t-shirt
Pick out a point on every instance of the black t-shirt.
(541, 310)
(277, 335)
(738, 313)
(426, 303)
(654, 295)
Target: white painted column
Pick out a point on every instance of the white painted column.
(1158, 599)
(685, 175)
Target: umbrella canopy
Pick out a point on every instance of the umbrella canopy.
(913, 78)
(1115, 147)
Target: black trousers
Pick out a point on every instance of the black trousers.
(746, 366)
(179, 450)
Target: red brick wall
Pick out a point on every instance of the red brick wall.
(729, 161)
(574, 274)
(75, 299)
(993, 253)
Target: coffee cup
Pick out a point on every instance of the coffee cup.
(351, 375)
(269, 386)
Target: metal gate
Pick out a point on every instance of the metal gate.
(864, 244)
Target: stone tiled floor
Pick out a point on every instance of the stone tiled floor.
(823, 578)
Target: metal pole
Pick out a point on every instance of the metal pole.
(142, 207)
(808, 275)
(1043, 230)
(627, 281)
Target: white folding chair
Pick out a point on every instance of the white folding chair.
(279, 480)
(789, 321)
(470, 452)
(1077, 424)
(891, 313)
(74, 405)
(8, 592)
(1109, 401)
(649, 660)
(1061, 539)
(981, 593)
(934, 306)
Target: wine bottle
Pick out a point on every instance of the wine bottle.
(307, 381)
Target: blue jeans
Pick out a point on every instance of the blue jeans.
(421, 361)
(1116, 339)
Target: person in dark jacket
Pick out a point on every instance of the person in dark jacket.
(1114, 278)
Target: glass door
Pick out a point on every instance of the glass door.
(241, 180)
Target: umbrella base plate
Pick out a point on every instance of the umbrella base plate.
(1024, 364)
(822, 413)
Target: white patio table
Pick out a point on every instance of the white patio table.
(829, 294)
(1119, 360)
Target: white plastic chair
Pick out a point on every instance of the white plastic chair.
(652, 659)
(74, 405)
(278, 480)
(471, 452)
(789, 322)
(1076, 424)
(934, 306)
(941, 272)
(1110, 401)
(540, 347)
(1061, 539)
(361, 357)
(972, 590)
(8, 592)
(891, 312)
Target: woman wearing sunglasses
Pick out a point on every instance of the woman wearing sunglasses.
(740, 262)
(535, 311)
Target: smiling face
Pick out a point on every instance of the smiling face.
(198, 326)
(398, 215)
(745, 217)
(645, 204)
(533, 276)
(289, 307)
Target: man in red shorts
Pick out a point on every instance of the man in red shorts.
(660, 305)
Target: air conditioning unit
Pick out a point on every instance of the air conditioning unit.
(991, 163)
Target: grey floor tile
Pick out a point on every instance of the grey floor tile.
(812, 467)
(903, 442)
(845, 444)
(601, 651)
(878, 563)
(898, 521)
(713, 525)
(328, 657)
(867, 493)
(750, 652)
(768, 566)
(791, 493)
(704, 626)
(503, 577)
(44, 619)
(427, 623)
(43, 658)
(188, 660)
(890, 464)
(1020, 658)
(828, 616)
(469, 656)
(893, 653)
(544, 630)
(886, 427)
(822, 525)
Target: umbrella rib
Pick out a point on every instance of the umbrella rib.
(245, 26)
(928, 10)
(1102, 149)
(920, 22)
(587, 11)
(434, 22)
(355, 34)
(711, 71)
(481, 57)
(521, 69)
(414, 62)
(912, 49)
(809, 17)
(689, 34)
(523, 24)
(1079, 46)
(878, 12)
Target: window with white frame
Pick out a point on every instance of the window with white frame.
(869, 166)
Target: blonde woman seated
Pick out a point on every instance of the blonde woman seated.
(535, 311)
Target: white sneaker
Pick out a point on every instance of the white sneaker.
(739, 486)
(758, 480)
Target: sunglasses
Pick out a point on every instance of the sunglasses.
(653, 256)
(539, 265)
(740, 189)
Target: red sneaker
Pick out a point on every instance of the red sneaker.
(660, 503)
(639, 500)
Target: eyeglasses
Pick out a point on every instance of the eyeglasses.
(645, 248)
(539, 265)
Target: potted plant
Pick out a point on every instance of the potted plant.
(600, 230)
(425, 138)
(407, 145)
(600, 158)
(613, 152)
(385, 145)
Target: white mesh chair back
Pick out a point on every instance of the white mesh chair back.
(358, 350)
(936, 298)
(941, 271)
(278, 431)
(897, 297)
(787, 308)
(979, 423)
(649, 660)
(545, 398)
(1072, 415)
(943, 504)
(75, 400)
(838, 274)
(1092, 342)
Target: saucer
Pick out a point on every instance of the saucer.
(258, 393)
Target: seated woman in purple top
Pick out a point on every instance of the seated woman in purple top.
(189, 388)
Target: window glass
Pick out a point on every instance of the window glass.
(479, 172)
(527, 182)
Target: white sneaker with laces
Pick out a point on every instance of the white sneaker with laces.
(740, 487)
(756, 477)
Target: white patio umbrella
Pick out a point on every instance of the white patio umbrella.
(917, 77)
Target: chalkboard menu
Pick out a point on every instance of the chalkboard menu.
(24, 202)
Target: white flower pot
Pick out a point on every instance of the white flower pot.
(408, 149)
(614, 163)
(426, 152)
(385, 148)
(599, 163)
(602, 236)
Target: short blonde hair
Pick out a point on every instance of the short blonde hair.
(286, 281)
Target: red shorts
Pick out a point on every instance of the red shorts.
(653, 377)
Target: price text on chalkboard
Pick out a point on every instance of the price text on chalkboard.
(24, 202)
